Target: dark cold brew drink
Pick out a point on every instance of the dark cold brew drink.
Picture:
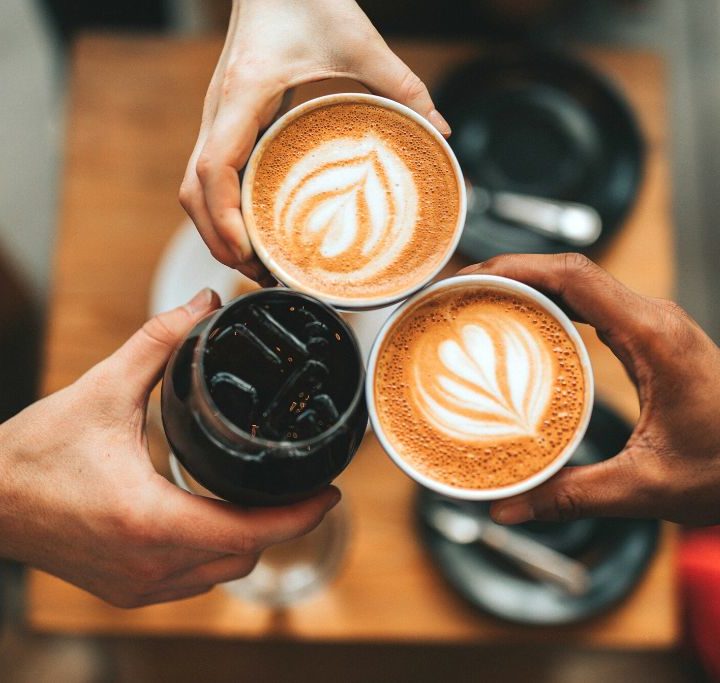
(263, 402)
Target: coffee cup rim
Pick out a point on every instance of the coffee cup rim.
(347, 303)
(500, 283)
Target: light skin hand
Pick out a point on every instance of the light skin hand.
(271, 47)
(80, 499)
(670, 467)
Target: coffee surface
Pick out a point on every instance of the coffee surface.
(356, 201)
(478, 388)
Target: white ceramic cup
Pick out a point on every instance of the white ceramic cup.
(509, 286)
(285, 278)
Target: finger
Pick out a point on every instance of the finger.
(384, 73)
(222, 570)
(193, 201)
(190, 194)
(139, 362)
(207, 524)
(590, 293)
(256, 271)
(612, 488)
(171, 595)
(226, 150)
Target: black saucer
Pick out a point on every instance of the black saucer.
(616, 551)
(542, 124)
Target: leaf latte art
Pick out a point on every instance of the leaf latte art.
(353, 202)
(489, 378)
(478, 387)
(347, 202)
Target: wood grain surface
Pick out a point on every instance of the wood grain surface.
(134, 110)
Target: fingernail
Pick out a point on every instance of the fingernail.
(201, 301)
(437, 120)
(469, 270)
(515, 512)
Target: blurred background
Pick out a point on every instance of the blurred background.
(36, 46)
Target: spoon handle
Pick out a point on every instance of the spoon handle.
(537, 559)
(577, 224)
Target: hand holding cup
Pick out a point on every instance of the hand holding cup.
(669, 466)
(271, 47)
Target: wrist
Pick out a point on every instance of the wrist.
(10, 499)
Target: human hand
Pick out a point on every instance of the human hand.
(670, 467)
(271, 47)
(80, 499)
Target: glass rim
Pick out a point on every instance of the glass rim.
(275, 447)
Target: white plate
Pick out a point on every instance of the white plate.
(187, 266)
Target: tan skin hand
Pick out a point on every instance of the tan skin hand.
(80, 499)
(271, 47)
(670, 467)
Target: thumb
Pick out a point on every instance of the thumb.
(384, 73)
(612, 488)
(142, 358)
(623, 319)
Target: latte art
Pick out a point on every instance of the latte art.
(353, 200)
(350, 202)
(493, 379)
(478, 388)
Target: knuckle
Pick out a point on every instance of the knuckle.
(248, 70)
(234, 78)
(159, 331)
(222, 254)
(667, 328)
(133, 525)
(204, 167)
(567, 505)
(412, 88)
(574, 263)
(248, 543)
(186, 195)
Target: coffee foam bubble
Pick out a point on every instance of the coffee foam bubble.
(479, 389)
(355, 200)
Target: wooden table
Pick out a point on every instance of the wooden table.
(135, 107)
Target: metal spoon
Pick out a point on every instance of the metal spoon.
(576, 224)
(536, 559)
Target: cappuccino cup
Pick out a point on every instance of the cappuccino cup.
(479, 387)
(354, 199)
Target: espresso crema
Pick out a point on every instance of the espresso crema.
(478, 388)
(353, 201)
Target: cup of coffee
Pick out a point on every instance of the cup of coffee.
(479, 387)
(354, 199)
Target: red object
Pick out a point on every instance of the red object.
(699, 571)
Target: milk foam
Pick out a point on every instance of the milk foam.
(487, 377)
(478, 388)
(354, 201)
(350, 204)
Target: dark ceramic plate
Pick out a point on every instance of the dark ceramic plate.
(616, 551)
(541, 124)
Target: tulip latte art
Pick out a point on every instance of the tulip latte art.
(478, 389)
(353, 200)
